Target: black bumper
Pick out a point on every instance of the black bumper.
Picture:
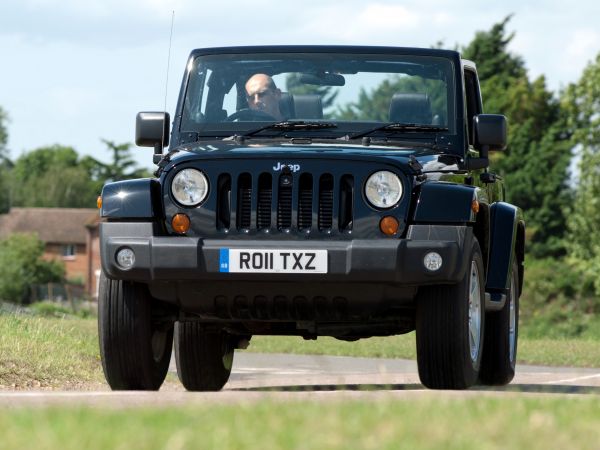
(181, 259)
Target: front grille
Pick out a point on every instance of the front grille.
(244, 201)
(306, 202)
(265, 192)
(284, 203)
(325, 202)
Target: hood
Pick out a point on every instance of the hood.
(286, 153)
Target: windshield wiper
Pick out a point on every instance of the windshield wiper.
(401, 127)
(290, 125)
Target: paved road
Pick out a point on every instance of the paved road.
(283, 377)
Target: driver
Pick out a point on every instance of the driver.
(263, 95)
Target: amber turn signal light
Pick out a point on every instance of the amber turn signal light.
(389, 225)
(99, 202)
(475, 206)
(180, 223)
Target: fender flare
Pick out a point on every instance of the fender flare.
(507, 244)
(131, 199)
(444, 202)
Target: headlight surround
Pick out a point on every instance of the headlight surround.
(383, 189)
(189, 187)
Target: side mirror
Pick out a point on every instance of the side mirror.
(489, 131)
(152, 130)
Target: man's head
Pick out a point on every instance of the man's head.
(263, 95)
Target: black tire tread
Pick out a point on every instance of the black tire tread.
(124, 329)
(443, 355)
(496, 367)
(199, 355)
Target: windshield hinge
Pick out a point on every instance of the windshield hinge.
(415, 165)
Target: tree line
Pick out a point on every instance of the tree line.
(57, 176)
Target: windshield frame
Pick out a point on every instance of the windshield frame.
(223, 129)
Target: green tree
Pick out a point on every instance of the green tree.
(582, 100)
(53, 177)
(122, 165)
(535, 164)
(375, 104)
(5, 165)
(295, 86)
(21, 266)
(3, 134)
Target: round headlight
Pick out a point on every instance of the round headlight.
(383, 189)
(189, 187)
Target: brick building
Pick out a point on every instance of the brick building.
(70, 235)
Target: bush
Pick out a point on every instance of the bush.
(21, 265)
(557, 301)
(62, 309)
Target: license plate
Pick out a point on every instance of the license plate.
(272, 261)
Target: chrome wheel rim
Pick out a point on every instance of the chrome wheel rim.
(512, 322)
(474, 312)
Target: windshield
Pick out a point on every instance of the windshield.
(352, 93)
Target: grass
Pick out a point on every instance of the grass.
(41, 352)
(540, 351)
(62, 353)
(377, 347)
(428, 422)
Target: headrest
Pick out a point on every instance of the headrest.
(308, 106)
(410, 108)
(286, 105)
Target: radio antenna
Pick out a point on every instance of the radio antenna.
(167, 78)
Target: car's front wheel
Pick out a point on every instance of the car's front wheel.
(449, 327)
(204, 357)
(135, 348)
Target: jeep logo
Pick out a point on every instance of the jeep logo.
(292, 167)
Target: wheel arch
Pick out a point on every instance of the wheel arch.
(445, 202)
(131, 199)
(507, 244)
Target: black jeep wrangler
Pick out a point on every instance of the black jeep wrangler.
(314, 191)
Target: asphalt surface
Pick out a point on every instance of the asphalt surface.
(256, 377)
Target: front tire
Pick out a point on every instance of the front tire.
(500, 345)
(135, 351)
(450, 326)
(204, 357)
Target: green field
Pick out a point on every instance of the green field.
(540, 351)
(40, 352)
(482, 422)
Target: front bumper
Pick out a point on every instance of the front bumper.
(181, 259)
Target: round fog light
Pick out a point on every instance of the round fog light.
(126, 258)
(432, 261)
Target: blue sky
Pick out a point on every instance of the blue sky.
(73, 72)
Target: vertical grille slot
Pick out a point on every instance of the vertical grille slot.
(346, 203)
(325, 202)
(284, 201)
(305, 202)
(265, 193)
(224, 201)
(244, 207)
